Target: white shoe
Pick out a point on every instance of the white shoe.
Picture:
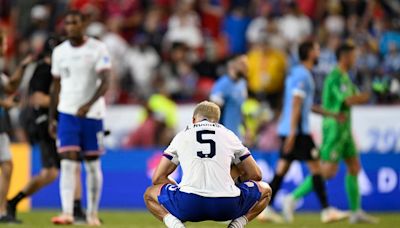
(332, 214)
(361, 217)
(270, 215)
(289, 206)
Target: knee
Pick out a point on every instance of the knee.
(148, 194)
(354, 169)
(265, 190)
(50, 174)
(70, 155)
(6, 169)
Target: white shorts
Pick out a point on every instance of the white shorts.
(5, 153)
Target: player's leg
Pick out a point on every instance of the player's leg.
(154, 206)
(266, 193)
(351, 185)
(255, 198)
(269, 214)
(318, 182)
(68, 132)
(6, 168)
(92, 147)
(94, 185)
(48, 173)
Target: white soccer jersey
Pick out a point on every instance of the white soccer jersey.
(205, 152)
(78, 68)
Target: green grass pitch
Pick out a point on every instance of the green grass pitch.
(141, 219)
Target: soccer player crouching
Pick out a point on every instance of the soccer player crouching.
(206, 150)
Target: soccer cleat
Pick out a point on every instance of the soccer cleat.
(63, 220)
(289, 206)
(269, 215)
(361, 217)
(9, 220)
(332, 214)
(79, 218)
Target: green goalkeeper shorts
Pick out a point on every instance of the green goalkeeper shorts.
(337, 143)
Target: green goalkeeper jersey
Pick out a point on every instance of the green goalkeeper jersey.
(337, 87)
(337, 140)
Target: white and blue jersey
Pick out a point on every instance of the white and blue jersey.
(298, 83)
(206, 151)
(230, 94)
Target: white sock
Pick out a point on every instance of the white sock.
(239, 222)
(172, 222)
(94, 184)
(67, 185)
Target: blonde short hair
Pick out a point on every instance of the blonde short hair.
(207, 110)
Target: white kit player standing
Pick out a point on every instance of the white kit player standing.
(81, 70)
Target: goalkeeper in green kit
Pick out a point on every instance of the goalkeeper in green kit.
(338, 95)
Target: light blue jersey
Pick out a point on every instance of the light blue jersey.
(298, 83)
(231, 94)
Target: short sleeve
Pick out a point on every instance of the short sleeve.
(299, 86)
(103, 60)
(172, 151)
(55, 64)
(240, 152)
(218, 92)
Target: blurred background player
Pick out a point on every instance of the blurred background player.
(39, 101)
(294, 130)
(338, 96)
(81, 70)
(230, 91)
(207, 190)
(8, 86)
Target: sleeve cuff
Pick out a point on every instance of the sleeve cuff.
(299, 93)
(217, 99)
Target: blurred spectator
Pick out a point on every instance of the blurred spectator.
(255, 115)
(153, 28)
(335, 22)
(294, 25)
(367, 65)
(178, 73)
(234, 27)
(389, 36)
(141, 60)
(184, 26)
(212, 12)
(259, 25)
(152, 132)
(326, 63)
(391, 62)
(266, 72)
(230, 91)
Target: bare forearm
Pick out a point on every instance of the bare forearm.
(101, 91)
(54, 95)
(357, 99)
(319, 110)
(295, 117)
(15, 79)
(163, 180)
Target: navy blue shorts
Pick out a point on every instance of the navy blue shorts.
(195, 208)
(80, 134)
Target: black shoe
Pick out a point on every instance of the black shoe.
(9, 220)
(11, 210)
(79, 218)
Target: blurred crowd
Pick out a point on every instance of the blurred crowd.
(174, 50)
